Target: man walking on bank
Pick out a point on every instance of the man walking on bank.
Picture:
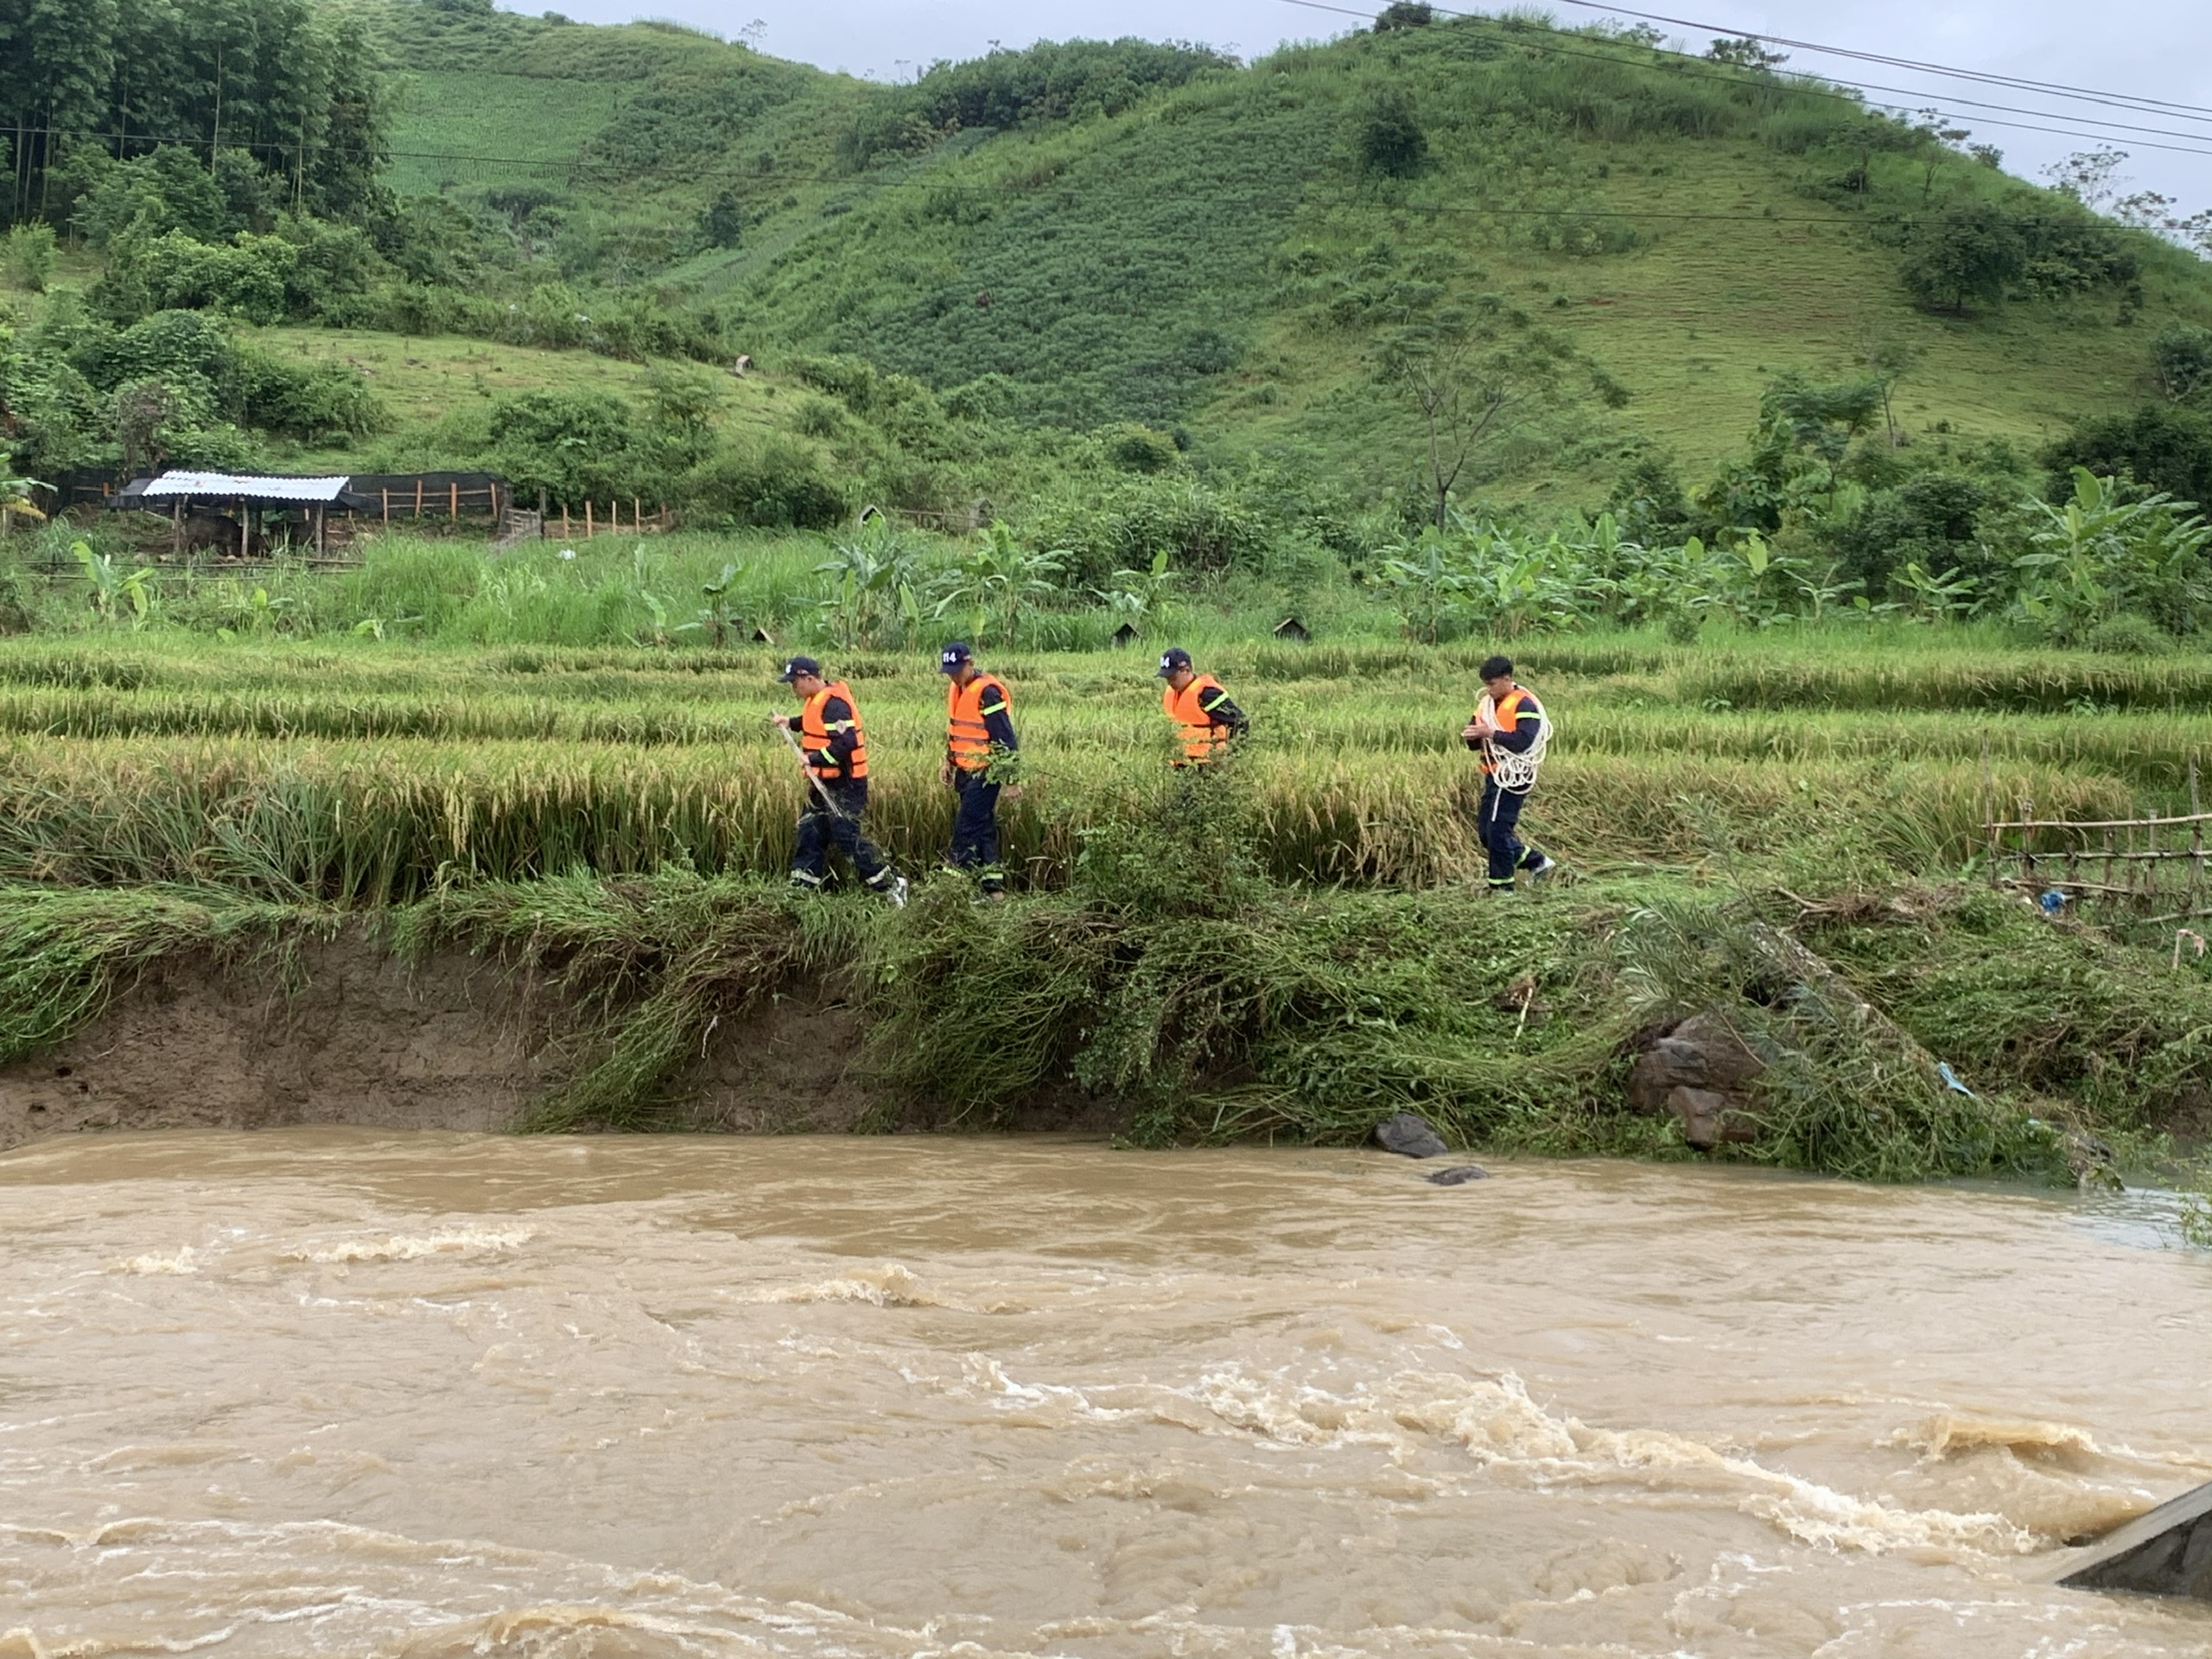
(978, 737)
(1204, 718)
(1510, 730)
(834, 751)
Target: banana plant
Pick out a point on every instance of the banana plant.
(991, 584)
(2099, 555)
(1137, 595)
(115, 591)
(875, 598)
(15, 497)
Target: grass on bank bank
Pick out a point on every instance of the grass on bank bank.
(1233, 1008)
(1302, 956)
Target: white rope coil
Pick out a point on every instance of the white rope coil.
(1515, 774)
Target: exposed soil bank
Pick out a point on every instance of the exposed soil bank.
(351, 1034)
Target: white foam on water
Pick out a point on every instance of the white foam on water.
(183, 1259)
(888, 1286)
(1496, 1422)
(1948, 1435)
(412, 1247)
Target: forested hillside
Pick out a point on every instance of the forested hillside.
(1369, 282)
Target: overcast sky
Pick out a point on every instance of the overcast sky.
(2145, 48)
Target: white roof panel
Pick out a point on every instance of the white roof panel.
(244, 484)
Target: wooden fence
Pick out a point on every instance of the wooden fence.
(2149, 869)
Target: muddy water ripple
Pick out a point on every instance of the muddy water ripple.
(337, 1392)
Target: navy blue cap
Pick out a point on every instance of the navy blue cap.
(1173, 658)
(952, 656)
(799, 665)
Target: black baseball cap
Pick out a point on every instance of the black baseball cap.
(1173, 658)
(799, 665)
(952, 656)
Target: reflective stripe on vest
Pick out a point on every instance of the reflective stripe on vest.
(1506, 716)
(1202, 739)
(966, 737)
(814, 734)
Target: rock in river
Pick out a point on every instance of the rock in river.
(1459, 1175)
(1699, 1070)
(1409, 1137)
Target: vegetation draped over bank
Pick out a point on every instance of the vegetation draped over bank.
(1290, 950)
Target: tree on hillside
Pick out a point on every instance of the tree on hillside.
(1404, 14)
(1887, 361)
(2181, 360)
(1470, 391)
(1390, 140)
(721, 225)
(1746, 53)
(1961, 256)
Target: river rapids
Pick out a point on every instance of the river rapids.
(347, 1392)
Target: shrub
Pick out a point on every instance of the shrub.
(2161, 446)
(1967, 256)
(308, 401)
(1389, 138)
(1931, 519)
(2128, 635)
(167, 190)
(569, 446)
(2181, 360)
(775, 482)
(1199, 528)
(29, 259)
(1050, 81)
(1136, 448)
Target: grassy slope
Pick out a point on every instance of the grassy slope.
(425, 382)
(538, 125)
(1118, 253)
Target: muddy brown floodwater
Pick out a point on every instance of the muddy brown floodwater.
(333, 1392)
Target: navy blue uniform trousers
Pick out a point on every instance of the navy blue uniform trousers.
(975, 829)
(819, 829)
(1497, 828)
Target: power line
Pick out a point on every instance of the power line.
(2058, 89)
(1801, 85)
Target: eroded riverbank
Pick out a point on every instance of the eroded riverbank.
(346, 1392)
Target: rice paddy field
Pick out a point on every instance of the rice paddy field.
(1290, 951)
(362, 772)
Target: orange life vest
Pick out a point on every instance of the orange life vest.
(966, 737)
(814, 735)
(1202, 739)
(1505, 715)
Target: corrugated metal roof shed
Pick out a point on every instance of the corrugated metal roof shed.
(235, 486)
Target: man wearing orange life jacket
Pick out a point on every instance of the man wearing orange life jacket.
(1512, 725)
(836, 751)
(1204, 718)
(978, 739)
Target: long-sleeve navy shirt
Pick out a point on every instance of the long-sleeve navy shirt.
(997, 720)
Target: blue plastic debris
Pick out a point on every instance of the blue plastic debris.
(2052, 901)
(1951, 1080)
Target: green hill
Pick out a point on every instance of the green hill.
(1114, 254)
(1225, 255)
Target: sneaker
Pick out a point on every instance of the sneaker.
(897, 893)
(1544, 866)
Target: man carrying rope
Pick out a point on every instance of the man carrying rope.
(1511, 730)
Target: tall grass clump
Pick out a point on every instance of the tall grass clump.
(65, 955)
(642, 971)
